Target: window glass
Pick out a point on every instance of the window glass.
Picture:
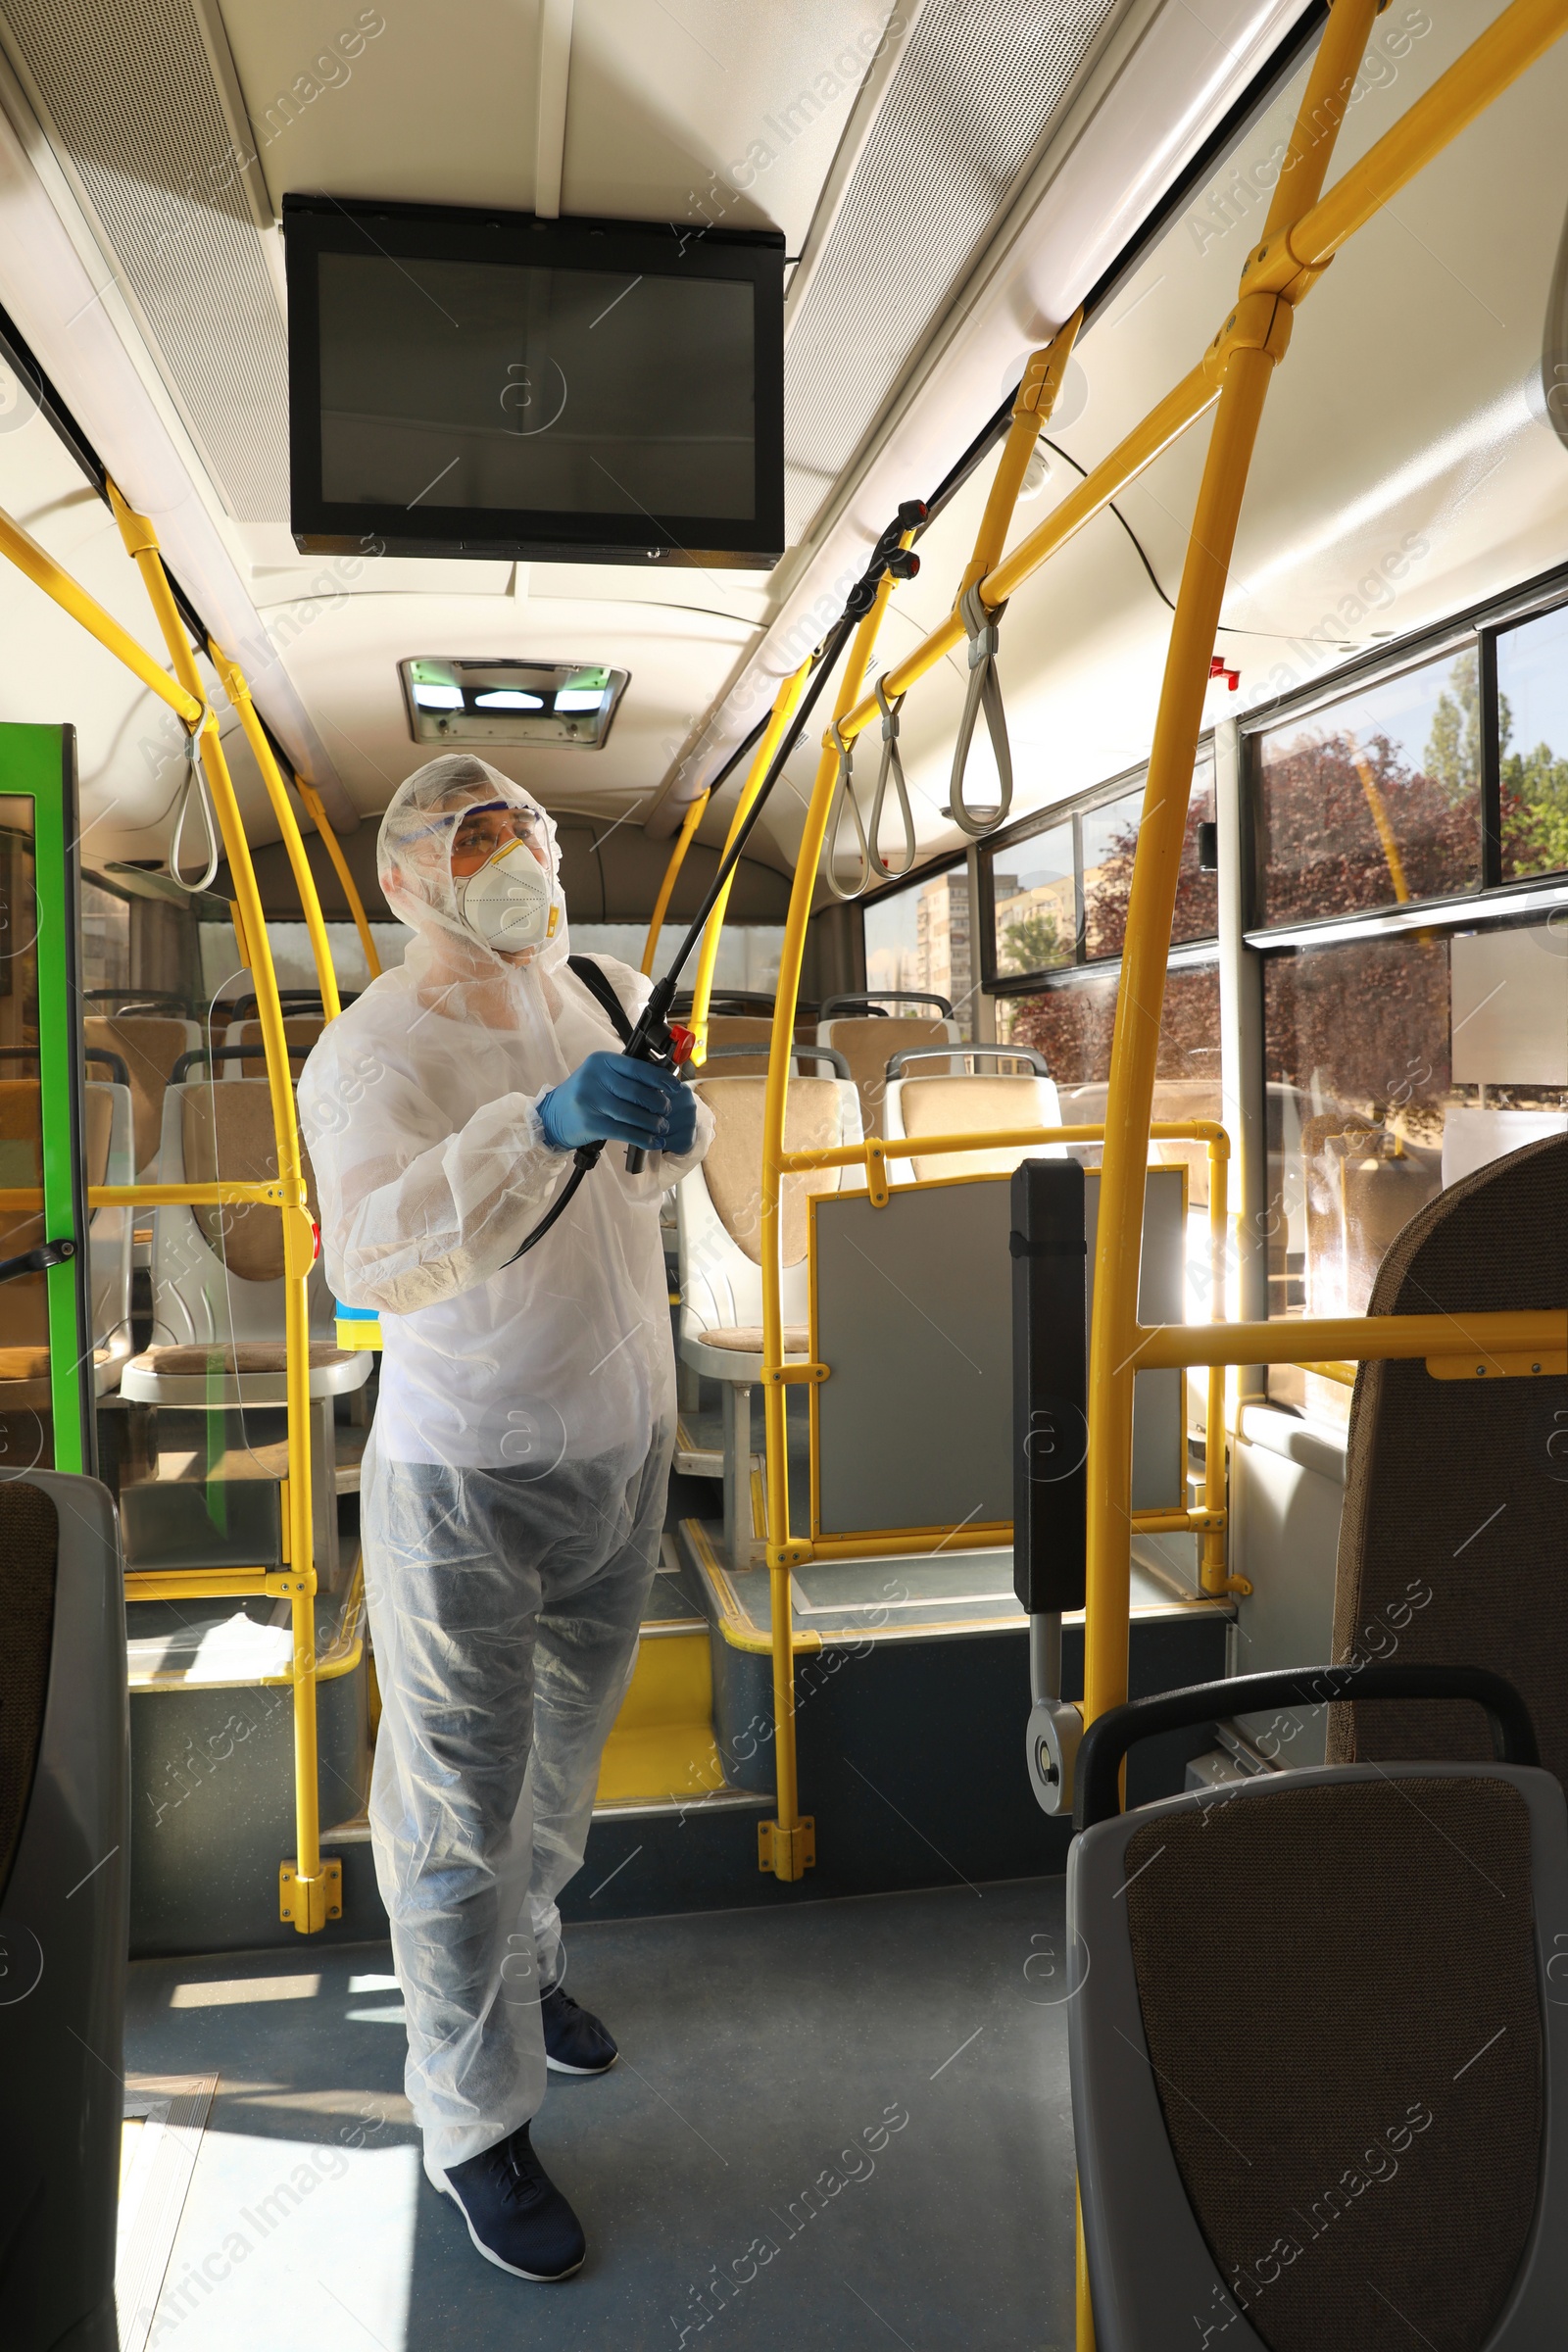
(1533, 728)
(1377, 799)
(1395, 1067)
(1110, 843)
(26, 1424)
(104, 938)
(1072, 1023)
(920, 939)
(1035, 896)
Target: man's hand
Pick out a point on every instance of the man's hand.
(612, 1099)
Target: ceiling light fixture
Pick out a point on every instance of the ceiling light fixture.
(545, 705)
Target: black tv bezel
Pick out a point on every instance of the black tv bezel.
(314, 225)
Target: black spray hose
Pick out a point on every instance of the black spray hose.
(652, 1039)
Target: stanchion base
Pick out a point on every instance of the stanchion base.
(787, 1853)
(309, 1902)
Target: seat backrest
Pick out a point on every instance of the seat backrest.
(64, 1880)
(740, 1029)
(26, 1298)
(1453, 1539)
(149, 1045)
(1284, 2165)
(302, 1030)
(869, 1043)
(972, 1105)
(226, 1131)
(814, 1119)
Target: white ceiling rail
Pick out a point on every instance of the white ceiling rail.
(1164, 80)
(898, 24)
(81, 329)
(554, 69)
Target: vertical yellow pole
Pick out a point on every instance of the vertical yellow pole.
(788, 1833)
(1245, 353)
(318, 817)
(784, 705)
(240, 694)
(677, 858)
(299, 1243)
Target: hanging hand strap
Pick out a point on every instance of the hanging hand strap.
(844, 792)
(985, 693)
(195, 784)
(892, 765)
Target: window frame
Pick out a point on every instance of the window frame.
(1481, 625)
(1071, 812)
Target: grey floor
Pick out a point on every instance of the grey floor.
(842, 2125)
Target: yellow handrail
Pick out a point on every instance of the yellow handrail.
(239, 695)
(309, 1883)
(677, 858)
(27, 556)
(318, 817)
(1241, 363)
(783, 710)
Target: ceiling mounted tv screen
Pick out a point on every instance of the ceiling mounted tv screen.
(491, 386)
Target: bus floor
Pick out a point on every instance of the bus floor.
(843, 2123)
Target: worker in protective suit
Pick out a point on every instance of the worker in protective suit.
(513, 1489)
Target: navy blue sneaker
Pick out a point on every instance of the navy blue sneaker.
(575, 2040)
(516, 2216)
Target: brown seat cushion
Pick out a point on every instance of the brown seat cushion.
(746, 1339)
(250, 1355)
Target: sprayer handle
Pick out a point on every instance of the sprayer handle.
(636, 1160)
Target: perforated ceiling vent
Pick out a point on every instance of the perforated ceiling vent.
(972, 99)
(129, 101)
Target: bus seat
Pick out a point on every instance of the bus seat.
(718, 1220)
(972, 1106)
(1319, 2076)
(1454, 1532)
(64, 1894)
(149, 1045)
(867, 1044)
(301, 1029)
(218, 1272)
(25, 1357)
(740, 1029)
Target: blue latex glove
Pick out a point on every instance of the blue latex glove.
(610, 1098)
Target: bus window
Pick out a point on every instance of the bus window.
(920, 939)
(1375, 800)
(1533, 745)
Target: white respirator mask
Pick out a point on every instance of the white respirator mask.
(511, 901)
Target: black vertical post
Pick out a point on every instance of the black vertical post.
(1049, 1386)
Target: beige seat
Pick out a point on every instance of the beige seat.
(741, 1029)
(868, 1042)
(149, 1045)
(718, 1224)
(218, 1272)
(301, 1029)
(24, 1384)
(975, 1102)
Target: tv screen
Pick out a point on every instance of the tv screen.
(488, 384)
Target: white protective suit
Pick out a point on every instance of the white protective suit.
(514, 1486)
